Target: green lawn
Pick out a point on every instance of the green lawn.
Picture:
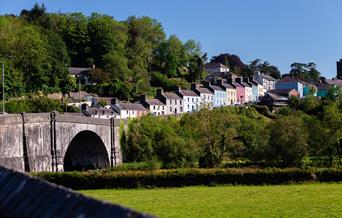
(303, 200)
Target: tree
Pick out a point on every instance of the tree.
(288, 141)
(306, 72)
(171, 57)
(332, 118)
(105, 35)
(263, 67)
(76, 37)
(234, 61)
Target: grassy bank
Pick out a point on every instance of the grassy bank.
(304, 200)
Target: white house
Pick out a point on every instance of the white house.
(101, 113)
(155, 106)
(129, 110)
(173, 103)
(207, 96)
(191, 100)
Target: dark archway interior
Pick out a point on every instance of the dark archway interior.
(86, 151)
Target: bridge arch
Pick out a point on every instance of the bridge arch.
(86, 151)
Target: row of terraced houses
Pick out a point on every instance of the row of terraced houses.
(221, 88)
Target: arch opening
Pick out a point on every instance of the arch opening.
(86, 151)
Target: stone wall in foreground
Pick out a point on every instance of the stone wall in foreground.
(24, 196)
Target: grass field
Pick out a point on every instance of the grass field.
(303, 200)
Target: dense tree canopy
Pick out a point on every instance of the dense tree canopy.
(38, 47)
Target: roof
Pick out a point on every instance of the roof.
(254, 82)
(188, 93)
(228, 86)
(79, 95)
(170, 95)
(281, 91)
(323, 86)
(236, 84)
(337, 82)
(268, 77)
(217, 88)
(276, 97)
(108, 100)
(245, 84)
(204, 90)
(77, 70)
(153, 101)
(214, 65)
(131, 106)
(93, 110)
(288, 79)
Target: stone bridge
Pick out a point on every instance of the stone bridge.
(58, 142)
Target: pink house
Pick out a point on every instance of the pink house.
(240, 91)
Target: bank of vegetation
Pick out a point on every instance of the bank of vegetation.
(307, 133)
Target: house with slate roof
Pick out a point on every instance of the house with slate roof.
(248, 90)
(173, 103)
(267, 81)
(191, 100)
(257, 89)
(129, 110)
(230, 91)
(220, 98)
(207, 96)
(289, 82)
(81, 74)
(155, 106)
(240, 91)
(285, 92)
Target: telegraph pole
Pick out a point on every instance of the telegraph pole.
(3, 87)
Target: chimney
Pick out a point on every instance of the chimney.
(84, 107)
(142, 98)
(159, 92)
(245, 80)
(114, 101)
(193, 86)
(177, 89)
(238, 80)
(251, 79)
(206, 84)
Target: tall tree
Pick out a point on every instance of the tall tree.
(172, 57)
(306, 72)
(105, 35)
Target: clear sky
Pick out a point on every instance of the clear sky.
(279, 31)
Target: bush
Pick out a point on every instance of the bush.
(189, 177)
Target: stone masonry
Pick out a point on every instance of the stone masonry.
(44, 141)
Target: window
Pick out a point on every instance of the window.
(193, 100)
(170, 109)
(188, 106)
(175, 102)
(188, 99)
(154, 107)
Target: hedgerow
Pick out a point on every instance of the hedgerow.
(188, 177)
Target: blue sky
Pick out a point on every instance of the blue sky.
(279, 31)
